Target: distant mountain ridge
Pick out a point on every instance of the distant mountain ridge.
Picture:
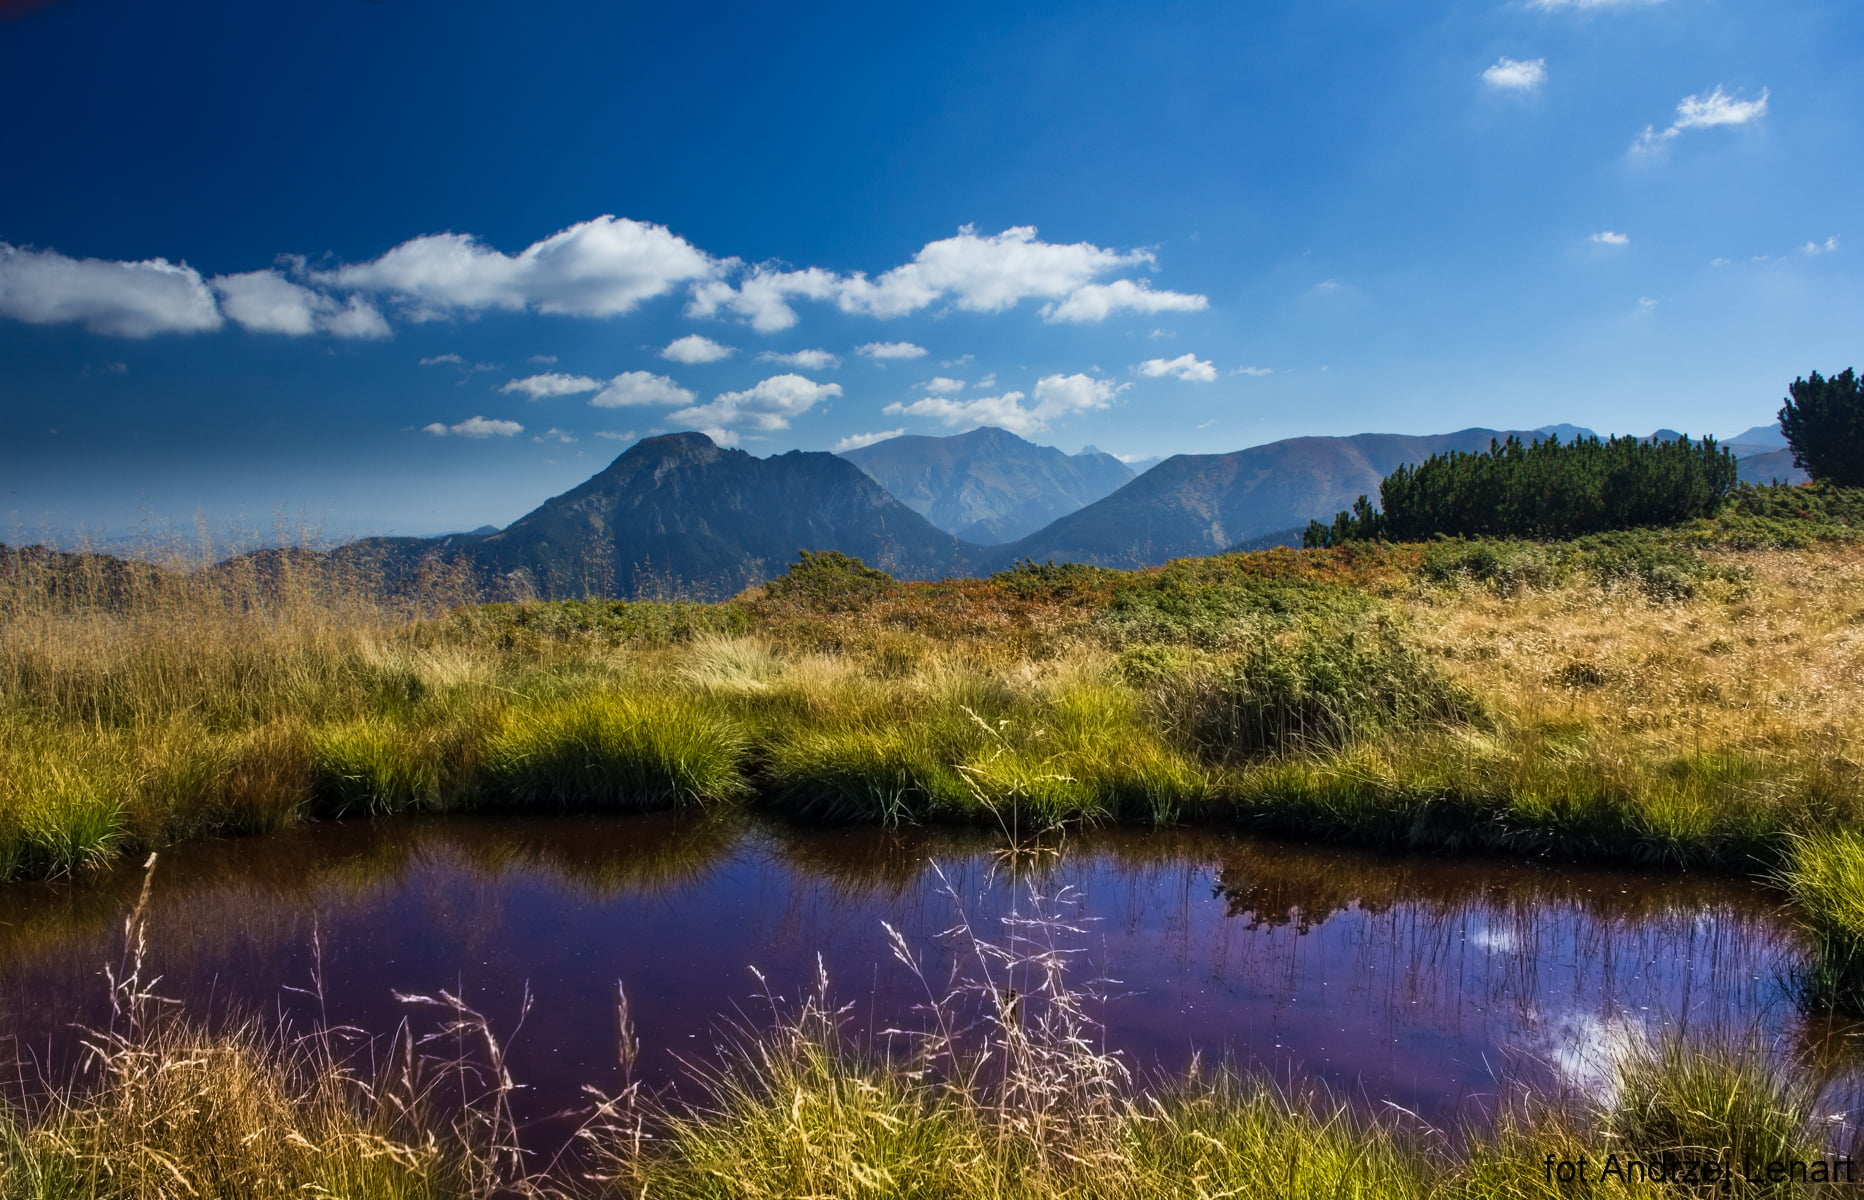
(682, 515)
(988, 486)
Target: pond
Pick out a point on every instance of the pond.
(1431, 984)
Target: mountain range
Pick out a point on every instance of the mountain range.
(680, 515)
(989, 486)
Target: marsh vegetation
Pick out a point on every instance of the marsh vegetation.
(1678, 699)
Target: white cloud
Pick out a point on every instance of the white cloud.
(1187, 367)
(598, 268)
(1646, 304)
(808, 360)
(539, 387)
(1005, 411)
(474, 427)
(940, 385)
(693, 348)
(124, 299)
(1516, 75)
(356, 319)
(1810, 249)
(267, 302)
(1098, 301)
(855, 441)
(766, 405)
(1582, 5)
(616, 435)
(973, 271)
(1702, 112)
(986, 383)
(543, 360)
(555, 435)
(1056, 397)
(442, 360)
(760, 297)
(1064, 395)
(880, 351)
(1606, 237)
(1256, 371)
(640, 387)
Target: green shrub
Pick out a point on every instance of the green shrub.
(1314, 689)
(829, 581)
(1506, 566)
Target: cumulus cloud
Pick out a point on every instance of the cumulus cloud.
(1702, 112)
(267, 302)
(598, 268)
(539, 387)
(1187, 367)
(1606, 237)
(694, 348)
(808, 360)
(1098, 301)
(1516, 75)
(855, 441)
(540, 359)
(474, 427)
(880, 351)
(1812, 249)
(972, 271)
(1056, 397)
(122, 299)
(1646, 304)
(940, 385)
(444, 360)
(616, 435)
(561, 436)
(767, 405)
(640, 387)
(1257, 371)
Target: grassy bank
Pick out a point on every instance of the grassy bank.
(1688, 698)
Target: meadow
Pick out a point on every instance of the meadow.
(1687, 698)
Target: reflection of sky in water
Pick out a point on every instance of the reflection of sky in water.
(1587, 1049)
(1424, 983)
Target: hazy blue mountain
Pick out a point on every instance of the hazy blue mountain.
(1770, 436)
(1764, 457)
(1566, 433)
(988, 486)
(1769, 466)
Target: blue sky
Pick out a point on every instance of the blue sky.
(411, 267)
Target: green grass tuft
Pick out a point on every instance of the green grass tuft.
(607, 750)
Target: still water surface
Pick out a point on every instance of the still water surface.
(1427, 983)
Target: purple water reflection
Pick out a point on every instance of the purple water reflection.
(1425, 983)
